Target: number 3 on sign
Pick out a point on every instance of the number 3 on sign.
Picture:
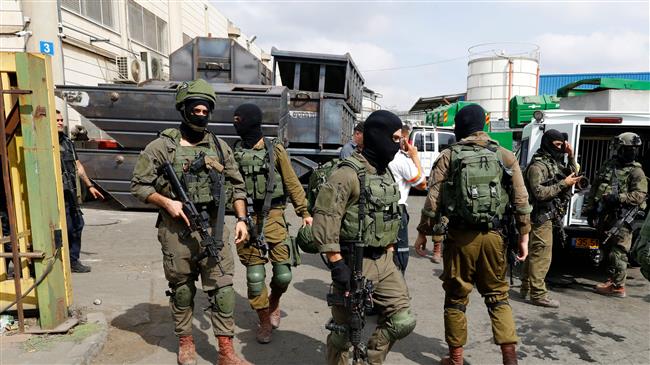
(47, 48)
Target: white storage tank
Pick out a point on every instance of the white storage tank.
(499, 71)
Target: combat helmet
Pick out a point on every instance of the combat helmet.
(198, 89)
(305, 240)
(627, 139)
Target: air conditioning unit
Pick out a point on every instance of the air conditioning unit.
(130, 69)
(154, 66)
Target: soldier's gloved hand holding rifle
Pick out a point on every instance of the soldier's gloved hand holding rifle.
(341, 274)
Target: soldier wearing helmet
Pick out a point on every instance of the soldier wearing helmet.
(620, 185)
(181, 147)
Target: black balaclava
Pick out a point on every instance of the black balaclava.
(469, 119)
(249, 127)
(626, 154)
(193, 126)
(378, 145)
(547, 145)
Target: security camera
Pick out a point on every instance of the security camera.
(23, 33)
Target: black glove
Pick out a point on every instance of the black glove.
(611, 199)
(341, 274)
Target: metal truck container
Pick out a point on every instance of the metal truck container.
(523, 107)
(217, 60)
(332, 76)
(313, 124)
(134, 116)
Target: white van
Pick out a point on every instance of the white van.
(429, 141)
(590, 134)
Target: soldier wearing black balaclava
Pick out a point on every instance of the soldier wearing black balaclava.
(336, 229)
(462, 190)
(253, 157)
(549, 183)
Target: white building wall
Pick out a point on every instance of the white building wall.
(11, 21)
(87, 62)
(91, 63)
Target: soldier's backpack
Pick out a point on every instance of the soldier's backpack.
(473, 193)
(319, 177)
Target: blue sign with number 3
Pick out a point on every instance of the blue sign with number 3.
(47, 48)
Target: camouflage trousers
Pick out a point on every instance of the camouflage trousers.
(277, 237)
(535, 268)
(476, 258)
(181, 268)
(616, 253)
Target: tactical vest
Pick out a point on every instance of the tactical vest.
(199, 184)
(254, 167)
(473, 193)
(382, 215)
(68, 165)
(556, 207)
(606, 178)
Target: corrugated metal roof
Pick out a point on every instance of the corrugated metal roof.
(548, 84)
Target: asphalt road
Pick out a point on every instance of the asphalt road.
(127, 277)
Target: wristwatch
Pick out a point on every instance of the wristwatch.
(242, 219)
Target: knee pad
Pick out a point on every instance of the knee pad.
(400, 324)
(281, 276)
(183, 295)
(339, 340)
(222, 301)
(255, 276)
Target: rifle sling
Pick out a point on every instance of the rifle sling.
(270, 186)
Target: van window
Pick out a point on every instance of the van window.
(445, 139)
(429, 143)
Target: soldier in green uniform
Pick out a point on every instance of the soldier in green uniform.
(468, 186)
(549, 183)
(620, 185)
(195, 100)
(254, 164)
(336, 226)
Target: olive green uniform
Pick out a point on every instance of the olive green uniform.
(549, 195)
(336, 223)
(633, 189)
(181, 271)
(475, 257)
(253, 168)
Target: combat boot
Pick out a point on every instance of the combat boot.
(186, 351)
(436, 258)
(545, 302)
(227, 354)
(274, 309)
(509, 354)
(265, 328)
(611, 290)
(455, 356)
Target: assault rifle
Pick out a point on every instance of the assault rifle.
(198, 220)
(627, 217)
(358, 297)
(356, 300)
(257, 239)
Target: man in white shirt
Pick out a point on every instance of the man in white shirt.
(407, 170)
